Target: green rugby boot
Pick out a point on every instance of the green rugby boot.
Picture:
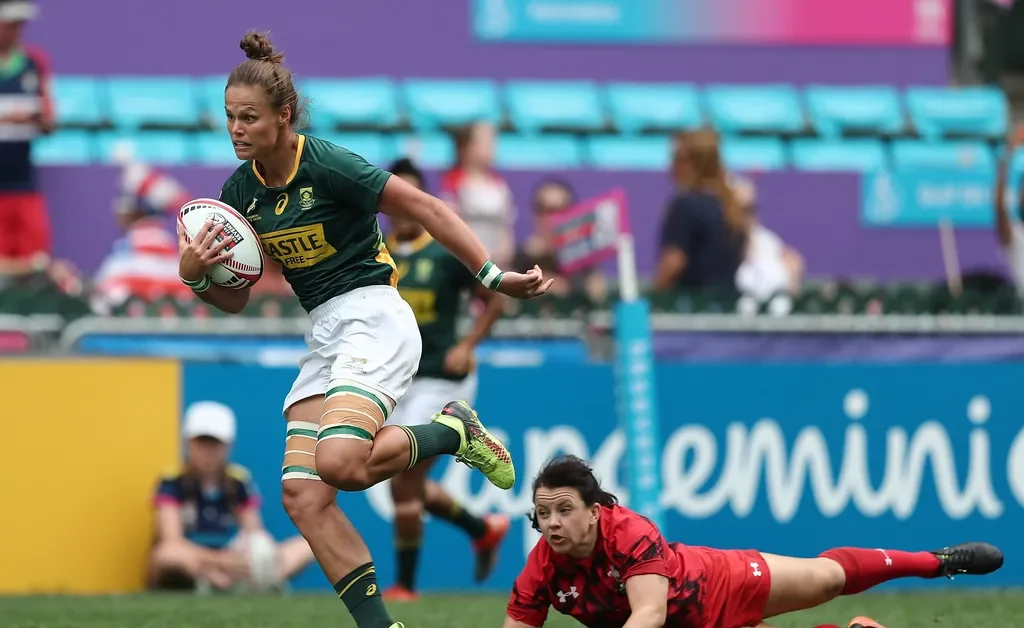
(478, 448)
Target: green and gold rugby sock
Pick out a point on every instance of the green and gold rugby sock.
(361, 595)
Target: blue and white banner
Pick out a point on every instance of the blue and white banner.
(789, 459)
(922, 198)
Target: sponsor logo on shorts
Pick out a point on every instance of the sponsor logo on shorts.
(298, 247)
(756, 569)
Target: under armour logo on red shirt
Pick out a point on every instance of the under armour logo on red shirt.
(563, 597)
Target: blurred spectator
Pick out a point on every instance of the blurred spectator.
(26, 110)
(1009, 230)
(552, 196)
(144, 261)
(209, 529)
(479, 194)
(704, 231)
(770, 266)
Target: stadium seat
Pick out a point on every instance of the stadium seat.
(751, 154)
(376, 148)
(938, 112)
(211, 99)
(64, 148)
(213, 148)
(638, 107)
(554, 105)
(363, 103)
(517, 152)
(434, 104)
(628, 153)
(871, 109)
(434, 151)
(161, 148)
(78, 101)
(952, 155)
(858, 155)
(139, 102)
(755, 108)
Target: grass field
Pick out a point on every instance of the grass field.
(946, 609)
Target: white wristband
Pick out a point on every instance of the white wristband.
(490, 275)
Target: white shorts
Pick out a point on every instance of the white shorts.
(368, 336)
(428, 395)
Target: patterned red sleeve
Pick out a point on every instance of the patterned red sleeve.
(641, 547)
(529, 601)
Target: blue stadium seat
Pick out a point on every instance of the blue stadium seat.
(161, 148)
(755, 108)
(433, 104)
(434, 151)
(64, 148)
(636, 107)
(951, 155)
(628, 153)
(213, 148)
(553, 105)
(162, 101)
(78, 101)
(545, 152)
(874, 109)
(940, 111)
(754, 153)
(1017, 165)
(211, 99)
(376, 148)
(351, 103)
(858, 155)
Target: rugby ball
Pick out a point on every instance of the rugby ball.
(246, 266)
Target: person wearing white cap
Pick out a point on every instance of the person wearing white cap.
(209, 530)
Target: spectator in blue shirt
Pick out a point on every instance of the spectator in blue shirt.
(208, 516)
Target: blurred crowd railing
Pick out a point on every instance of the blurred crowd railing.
(36, 314)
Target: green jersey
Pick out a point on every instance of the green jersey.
(322, 224)
(433, 282)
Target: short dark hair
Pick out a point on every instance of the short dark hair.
(571, 472)
(406, 166)
(264, 68)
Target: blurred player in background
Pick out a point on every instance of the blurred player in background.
(26, 110)
(608, 567)
(208, 517)
(435, 283)
(314, 206)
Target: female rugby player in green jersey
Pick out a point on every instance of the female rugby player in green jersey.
(314, 207)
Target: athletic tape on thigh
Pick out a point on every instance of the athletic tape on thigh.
(352, 410)
(300, 451)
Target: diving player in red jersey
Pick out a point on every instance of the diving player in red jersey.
(608, 567)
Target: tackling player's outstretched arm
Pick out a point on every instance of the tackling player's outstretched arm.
(511, 623)
(401, 198)
(196, 257)
(648, 601)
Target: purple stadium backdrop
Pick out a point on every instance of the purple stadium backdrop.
(818, 213)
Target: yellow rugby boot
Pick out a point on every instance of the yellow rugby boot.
(478, 448)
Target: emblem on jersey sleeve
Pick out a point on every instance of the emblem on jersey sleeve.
(306, 198)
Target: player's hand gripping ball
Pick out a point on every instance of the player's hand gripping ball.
(215, 240)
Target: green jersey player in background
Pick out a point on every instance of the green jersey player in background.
(314, 206)
(436, 285)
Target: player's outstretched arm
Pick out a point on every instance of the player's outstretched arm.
(402, 199)
(196, 258)
(511, 623)
(648, 600)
